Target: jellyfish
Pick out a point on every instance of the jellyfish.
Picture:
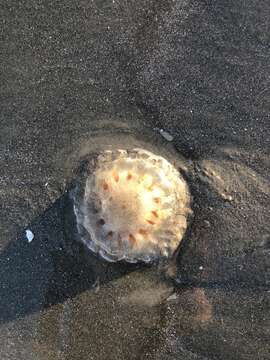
(134, 207)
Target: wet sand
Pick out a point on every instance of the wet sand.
(87, 75)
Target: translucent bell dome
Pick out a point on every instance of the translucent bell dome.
(134, 207)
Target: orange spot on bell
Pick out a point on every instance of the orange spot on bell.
(116, 177)
(101, 222)
(132, 239)
(150, 222)
(143, 232)
(109, 235)
(129, 177)
(154, 212)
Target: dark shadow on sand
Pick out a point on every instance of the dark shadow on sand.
(49, 270)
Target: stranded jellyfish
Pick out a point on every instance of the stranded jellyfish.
(133, 206)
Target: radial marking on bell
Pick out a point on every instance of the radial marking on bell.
(140, 195)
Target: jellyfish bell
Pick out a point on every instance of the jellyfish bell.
(133, 206)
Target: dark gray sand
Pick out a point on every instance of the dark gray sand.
(82, 75)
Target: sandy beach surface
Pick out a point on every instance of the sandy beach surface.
(187, 79)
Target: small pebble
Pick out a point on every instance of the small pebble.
(29, 235)
(172, 297)
(166, 135)
(201, 268)
(207, 223)
(96, 285)
(227, 197)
